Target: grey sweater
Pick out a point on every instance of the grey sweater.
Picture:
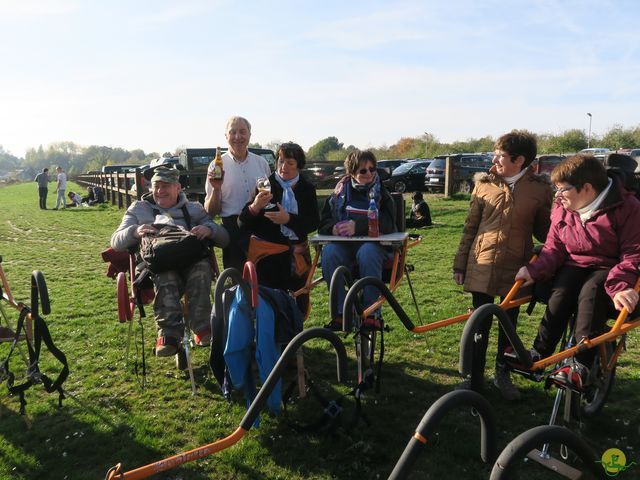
(142, 212)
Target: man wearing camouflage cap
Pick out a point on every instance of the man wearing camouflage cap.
(166, 203)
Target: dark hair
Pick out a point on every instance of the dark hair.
(45, 170)
(519, 142)
(417, 196)
(581, 169)
(356, 157)
(293, 150)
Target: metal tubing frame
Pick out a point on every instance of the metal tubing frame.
(432, 418)
(115, 473)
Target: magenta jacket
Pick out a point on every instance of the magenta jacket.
(608, 240)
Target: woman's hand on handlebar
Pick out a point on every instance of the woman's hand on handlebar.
(523, 274)
(626, 299)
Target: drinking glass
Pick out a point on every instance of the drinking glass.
(264, 185)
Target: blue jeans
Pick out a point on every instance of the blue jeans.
(369, 256)
(60, 199)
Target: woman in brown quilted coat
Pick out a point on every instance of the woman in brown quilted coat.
(509, 204)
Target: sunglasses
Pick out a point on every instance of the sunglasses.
(363, 171)
(559, 190)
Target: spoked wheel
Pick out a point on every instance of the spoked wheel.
(601, 380)
(125, 309)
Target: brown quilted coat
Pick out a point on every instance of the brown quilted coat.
(496, 240)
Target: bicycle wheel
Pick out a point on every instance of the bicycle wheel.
(596, 393)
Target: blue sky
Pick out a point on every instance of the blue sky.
(161, 74)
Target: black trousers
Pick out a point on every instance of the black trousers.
(235, 254)
(480, 299)
(42, 193)
(580, 291)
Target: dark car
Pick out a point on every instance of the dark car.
(390, 165)
(465, 166)
(320, 174)
(408, 177)
(544, 164)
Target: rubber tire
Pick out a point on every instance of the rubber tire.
(39, 293)
(462, 186)
(593, 399)
(365, 346)
(400, 187)
(345, 273)
(125, 312)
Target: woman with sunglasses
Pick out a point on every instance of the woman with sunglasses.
(345, 214)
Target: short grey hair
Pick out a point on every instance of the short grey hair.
(241, 119)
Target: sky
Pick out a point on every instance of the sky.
(162, 74)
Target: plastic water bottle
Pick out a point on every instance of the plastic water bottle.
(372, 217)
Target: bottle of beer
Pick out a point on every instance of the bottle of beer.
(372, 217)
(217, 166)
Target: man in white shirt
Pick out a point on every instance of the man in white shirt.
(227, 197)
(60, 188)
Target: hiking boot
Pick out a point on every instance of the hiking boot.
(502, 381)
(166, 346)
(572, 374)
(372, 323)
(335, 325)
(203, 337)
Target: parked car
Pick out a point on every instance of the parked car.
(465, 166)
(390, 165)
(544, 164)
(320, 174)
(408, 177)
(599, 153)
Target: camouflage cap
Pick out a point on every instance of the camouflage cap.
(167, 175)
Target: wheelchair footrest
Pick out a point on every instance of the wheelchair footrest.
(555, 465)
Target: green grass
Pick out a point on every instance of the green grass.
(107, 418)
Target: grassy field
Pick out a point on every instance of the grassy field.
(107, 418)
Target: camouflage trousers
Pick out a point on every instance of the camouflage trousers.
(194, 283)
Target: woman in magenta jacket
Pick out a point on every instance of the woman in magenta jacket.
(592, 252)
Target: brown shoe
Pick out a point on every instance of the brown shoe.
(166, 346)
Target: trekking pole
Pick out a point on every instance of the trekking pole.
(115, 472)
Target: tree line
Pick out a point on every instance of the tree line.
(76, 159)
(428, 145)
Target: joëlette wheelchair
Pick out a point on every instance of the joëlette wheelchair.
(133, 292)
(32, 329)
(585, 401)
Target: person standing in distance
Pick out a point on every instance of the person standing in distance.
(228, 196)
(43, 187)
(60, 188)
